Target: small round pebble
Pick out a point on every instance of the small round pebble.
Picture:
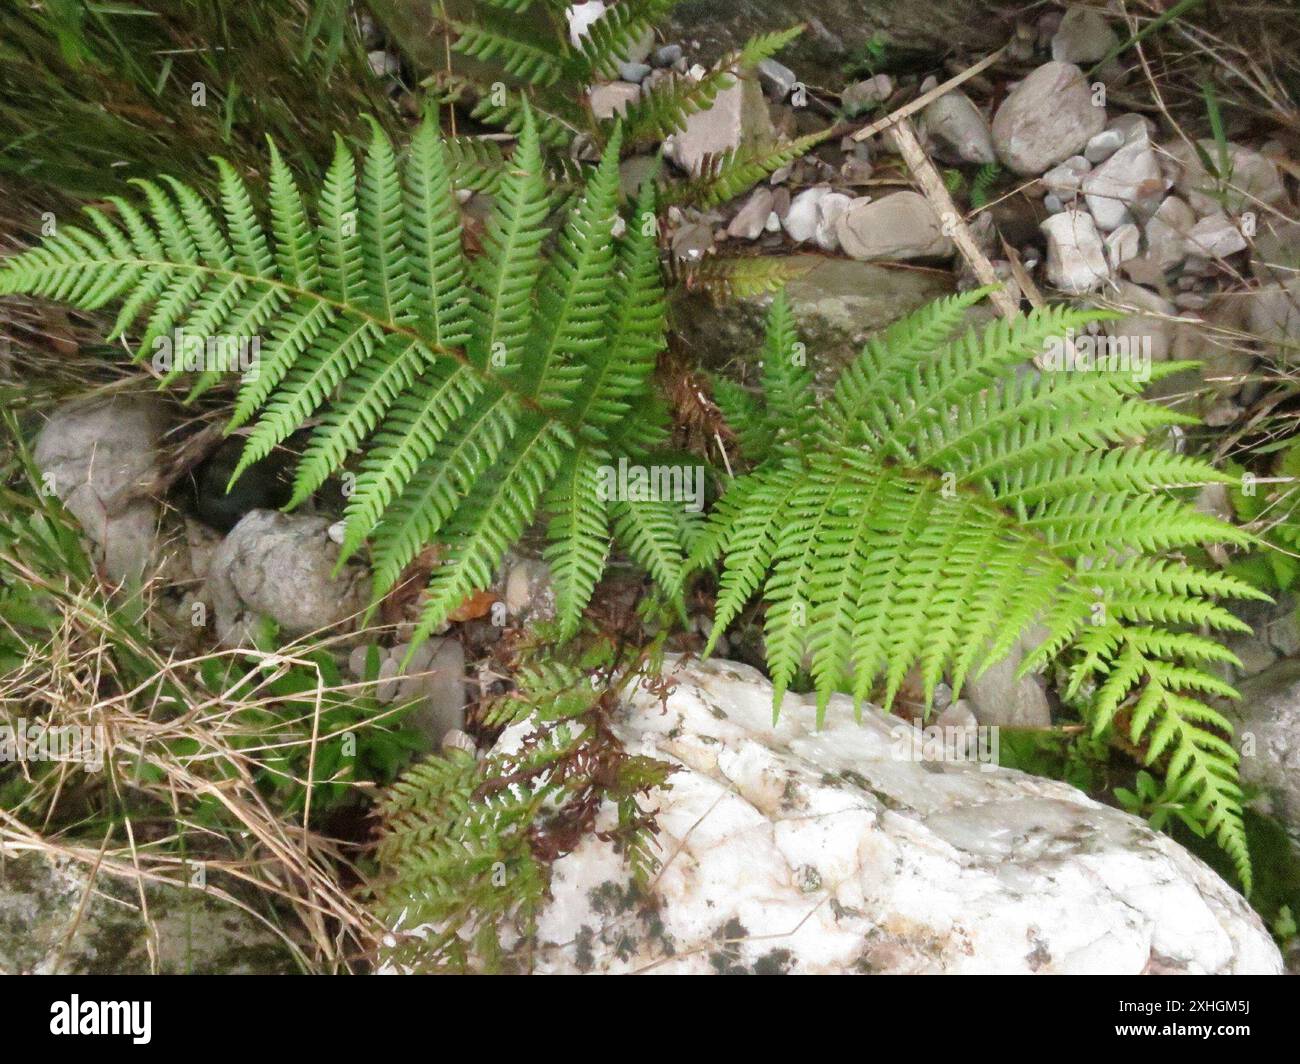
(667, 55)
(634, 72)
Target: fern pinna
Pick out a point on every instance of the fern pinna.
(481, 390)
(939, 503)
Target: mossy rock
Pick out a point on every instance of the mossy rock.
(44, 930)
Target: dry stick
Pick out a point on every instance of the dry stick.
(1021, 275)
(937, 193)
(909, 109)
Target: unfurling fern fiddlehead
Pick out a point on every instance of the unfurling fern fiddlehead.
(940, 503)
(478, 391)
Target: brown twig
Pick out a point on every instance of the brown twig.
(954, 225)
(909, 109)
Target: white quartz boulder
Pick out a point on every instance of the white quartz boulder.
(851, 849)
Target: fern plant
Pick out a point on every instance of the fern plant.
(938, 503)
(528, 43)
(1272, 511)
(467, 393)
(982, 184)
(467, 844)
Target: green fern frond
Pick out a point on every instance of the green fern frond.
(663, 109)
(618, 369)
(474, 163)
(579, 538)
(726, 176)
(511, 262)
(981, 185)
(787, 381)
(502, 40)
(764, 45)
(557, 114)
(571, 306)
(466, 845)
(948, 497)
(650, 531)
(460, 398)
(724, 279)
(611, 37)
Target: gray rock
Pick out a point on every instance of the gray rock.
(383, 64)
(1215, 236)
(201, 544)
(751, 220)
(1147, 324)
(738, 118)
(1123, 244)
(1283, 631)
(1276, 249)
(1128, 185)
(388, 682)
(692, 241)
(1255, 653)
(865, 94)
(837, 304)
(900, 226)
(633, 172)
(613, 98)
(433, 679)
(1226, 364)
(1267, 725)
(357, 660)
(813, 216)
(1274, 316)
(829, 210)
(959, 130)
(856, 171)
(529, 593)
(801, 219)
(420, 658)
(1076, 256)
(369, 30)
(777, 79)
(1045, 119)
(633, 72)
(1084, 37)
(1103, 145)
(459, 740)
(101, 457)
(581, 17)
(837, 30)
(666, 56)
(1135, 128)
(1166, 233)
(998, 697)
(1065, 179)
(53, 920)
(437, 687)
(279, 566)
(858, 847)
(1253, 178)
